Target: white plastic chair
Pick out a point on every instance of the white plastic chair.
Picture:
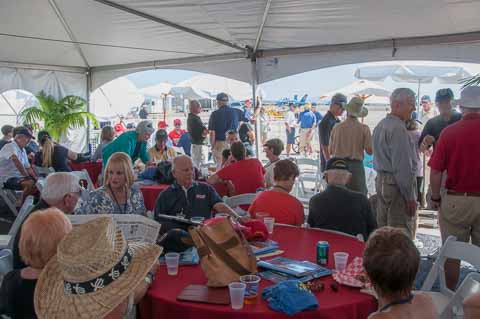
(309, 172)
(469, 286)
(24, 212)
(41, 171)
(235, 201)
(10, 199)
(455, 250)
(83, 175)
(6, 262)
(40, 184)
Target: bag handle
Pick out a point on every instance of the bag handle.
(224, 255)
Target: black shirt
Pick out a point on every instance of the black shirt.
(3, 143)
(243, 133)
(340, 209)
(17, 260)
(435, 126)
(324, 129)
(143, 114)
(16, 296)
(59, 159)
(195, 128)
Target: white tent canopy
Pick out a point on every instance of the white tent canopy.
(73, 47)
(157, 91)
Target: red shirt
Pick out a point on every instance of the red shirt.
(246, 175)
(458, 152)
(285, 208)
(175, 136)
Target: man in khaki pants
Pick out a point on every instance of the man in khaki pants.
(457, 152)
(395, 163)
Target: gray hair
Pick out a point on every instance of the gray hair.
(57, 185)
(145, 127)
(179, 157)
(401, 94)
(338, 176)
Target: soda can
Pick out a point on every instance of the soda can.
(322, 252)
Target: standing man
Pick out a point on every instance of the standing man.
(290, 127)
(143, 114)
(337, 106)
(307, 122)
(223, 119)
(394, 160)
(349, 140)
(428, 111)
(457, 153)
(318, 116)
(198, 134)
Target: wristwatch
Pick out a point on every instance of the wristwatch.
(149, 278)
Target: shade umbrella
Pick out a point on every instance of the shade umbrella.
(371, 92)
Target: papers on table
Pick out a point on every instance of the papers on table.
(135, 227)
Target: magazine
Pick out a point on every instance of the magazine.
(289, 266)
(263, 247)
(277, 277)
(188, 257)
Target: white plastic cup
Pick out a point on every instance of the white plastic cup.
(172, 259)
(341, 260)
(237, 294)
(269, 222)
(197, 219)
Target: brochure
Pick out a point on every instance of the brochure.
(188, 257)
(263, 247)
(289, 266)
(277, 277)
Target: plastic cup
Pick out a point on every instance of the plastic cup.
(237, 294)
(341, 260)
(251, 290)
(171, 259)
(269, 222)
(261, 215)
(197, 219)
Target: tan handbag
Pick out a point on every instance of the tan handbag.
(224, 255)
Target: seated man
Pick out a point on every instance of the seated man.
(246, 174)
(338, 208)
(7, 132)
(62, 190)
(188, 197)
(272, 148)
(391, 262)
(161, 151)
(15, 170)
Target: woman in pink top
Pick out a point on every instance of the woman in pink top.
(277, 202)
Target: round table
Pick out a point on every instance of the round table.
(298, 243)
(150, 194)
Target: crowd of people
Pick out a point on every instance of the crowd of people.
(55, 266)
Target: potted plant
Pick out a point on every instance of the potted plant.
(58, 115)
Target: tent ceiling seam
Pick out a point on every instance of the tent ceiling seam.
(69, 31)
(262, 25)
(43, 67)
(170, 24)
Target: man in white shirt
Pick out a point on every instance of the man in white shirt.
(290, 127)
(428, 111)
(272, 148)
(15, 170)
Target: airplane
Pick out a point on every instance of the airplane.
(295, 101)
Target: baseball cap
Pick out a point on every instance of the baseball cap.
(177, 121)
(339, 99)
(470, 97)
(162, 124)
(222, 97)
(161, 135)
(22, 130)
(42, 135)
(444, 95)
(425, 98)
(337, 163)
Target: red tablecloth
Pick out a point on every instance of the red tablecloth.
(150, 194)
(93, 168)
(298, 243)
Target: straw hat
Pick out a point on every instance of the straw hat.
(93, 272)
(355, 107)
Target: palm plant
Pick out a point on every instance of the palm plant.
(474, 80)
(58, 116)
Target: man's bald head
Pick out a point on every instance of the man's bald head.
(195, 107)
(182, 170)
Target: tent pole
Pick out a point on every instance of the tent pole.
(89, 124)
(418, 99)
(254, 104)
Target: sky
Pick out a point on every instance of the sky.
(314, 83)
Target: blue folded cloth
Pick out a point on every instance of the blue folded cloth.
(290, 297)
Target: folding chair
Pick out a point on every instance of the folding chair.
(455, 250)
(40, 184)
(309, 172)
(24, 212)
(235, 201)
(470, 285)
(43, 171)
(84, 176)
(6, 262)
(9, 198)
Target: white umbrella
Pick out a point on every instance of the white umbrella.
(372, 92)
(158, 90)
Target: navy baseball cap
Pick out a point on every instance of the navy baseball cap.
(42, 135)
(444, 95)
(425, 98)
(22, 130)
(337, 163)
(161, 135)
(339, 99)
(222, 97)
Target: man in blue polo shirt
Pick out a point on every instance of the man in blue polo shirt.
(187, 197)
(307, 122)
(223, 119)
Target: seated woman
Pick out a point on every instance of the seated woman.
(40, 235)
(107, 135)
(391, 262)
(160, 151)
(55, 155)
(272, 148)
(277, 202)
(118, 195)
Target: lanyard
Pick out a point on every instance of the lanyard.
(124, 211)
(396, 302)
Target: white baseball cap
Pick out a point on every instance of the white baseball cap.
(470, 97)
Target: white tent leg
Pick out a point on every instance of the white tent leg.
(254, 104)
(89, 124)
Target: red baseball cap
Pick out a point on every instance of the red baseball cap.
(162, 124)
(177, 121)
